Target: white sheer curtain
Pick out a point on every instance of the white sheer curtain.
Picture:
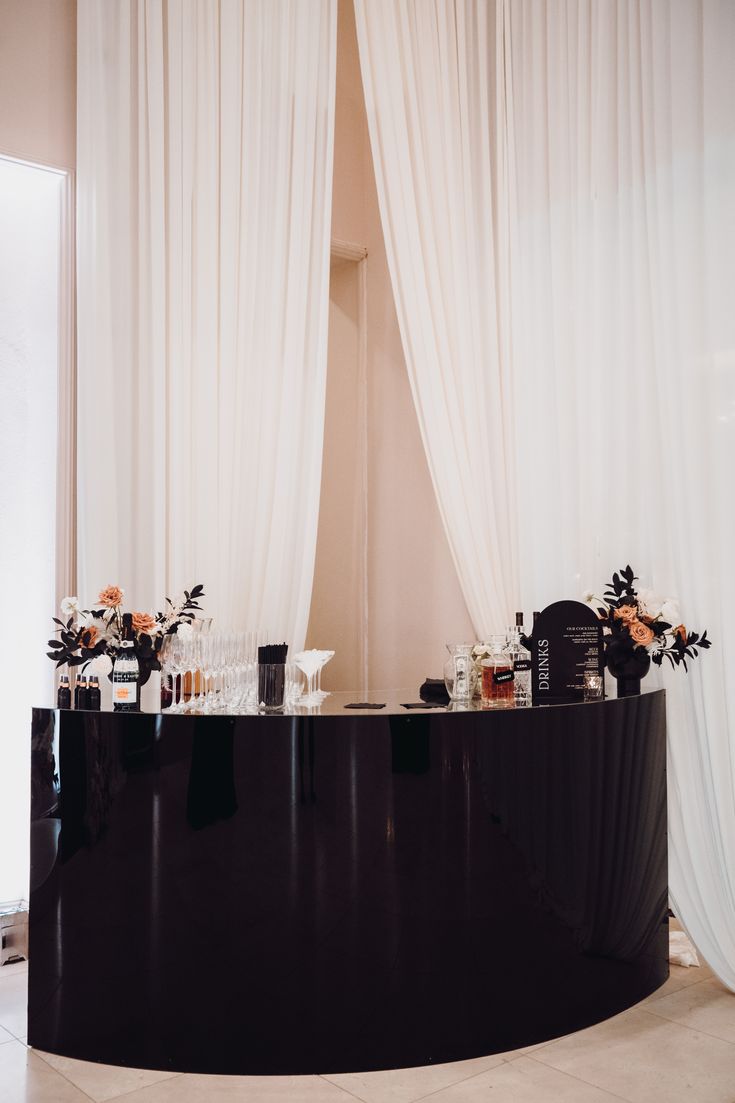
(611, 134)
(426, 68)
(621, 144)
(205, 136)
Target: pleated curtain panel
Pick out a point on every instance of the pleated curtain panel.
(205, 141)
(556, 188)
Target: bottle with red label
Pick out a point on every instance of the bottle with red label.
(126, 671)
(497, 677)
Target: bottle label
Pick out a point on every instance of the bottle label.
(501, 676)
(125, 692)
(522, 664)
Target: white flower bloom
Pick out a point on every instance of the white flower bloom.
(103, 626)
(670, 612)
(649, 603)
(185, 631)
(70, 606)
(101, 665)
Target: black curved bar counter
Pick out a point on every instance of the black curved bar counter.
(303, 894)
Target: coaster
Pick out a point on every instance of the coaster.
(365, 705)
(423, 705)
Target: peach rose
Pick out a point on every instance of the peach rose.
(89, 637)
(640, 633)
(627, 613)
(681, 632)
(111, 596)
(144, 622)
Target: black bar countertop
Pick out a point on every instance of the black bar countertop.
(339, 890)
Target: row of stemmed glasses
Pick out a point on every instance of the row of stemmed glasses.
(223, 669)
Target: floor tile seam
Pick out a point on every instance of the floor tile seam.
(141, 1087)
(661, 995)
(325, 1077)
(435, 1091)
(464, 1079)
(582, 1080)
(37, 1053)
(695, 1029)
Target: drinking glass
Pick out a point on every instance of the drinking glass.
(593, 686)
(325, 657)
(308, 663)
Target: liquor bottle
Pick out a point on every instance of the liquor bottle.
(63, 697)
(80, 692)
(520, 657)
(497, 686)
(126, 672)
(94, 698)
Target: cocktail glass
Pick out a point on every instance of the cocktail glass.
(309, 663)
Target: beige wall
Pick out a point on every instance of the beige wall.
(414, 601)
(38, 81)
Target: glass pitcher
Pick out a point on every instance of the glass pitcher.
(459, 672)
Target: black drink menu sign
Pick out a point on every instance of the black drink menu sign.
(567, 644)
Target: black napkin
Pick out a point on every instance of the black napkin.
(365, 705)
(434, 689)
(425, 705)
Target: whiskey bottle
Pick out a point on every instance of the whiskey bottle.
(126, 671)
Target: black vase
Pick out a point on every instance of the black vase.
(629, 671)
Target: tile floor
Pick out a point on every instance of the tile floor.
(677, 1045)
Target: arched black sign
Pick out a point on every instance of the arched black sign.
(567, 643)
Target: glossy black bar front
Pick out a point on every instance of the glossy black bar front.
(333, 893)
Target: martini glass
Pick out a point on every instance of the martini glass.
(309, 662)
(324, 657)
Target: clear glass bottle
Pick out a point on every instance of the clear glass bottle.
(520, 658)
(459, 672)
(126, 672)
(497, 676)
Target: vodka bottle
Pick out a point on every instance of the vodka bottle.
(520, 658)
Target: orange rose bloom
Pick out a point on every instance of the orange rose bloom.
(89, 637)
(111, 596)
(640, 633)
(626, 613)
(144, 622)
(681, 632)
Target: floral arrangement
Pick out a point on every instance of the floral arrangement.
(93, 635)
(639, 625)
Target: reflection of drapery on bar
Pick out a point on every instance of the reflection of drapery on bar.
(613, 906)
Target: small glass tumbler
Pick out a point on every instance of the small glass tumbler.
(271, 686)
(593, 686)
